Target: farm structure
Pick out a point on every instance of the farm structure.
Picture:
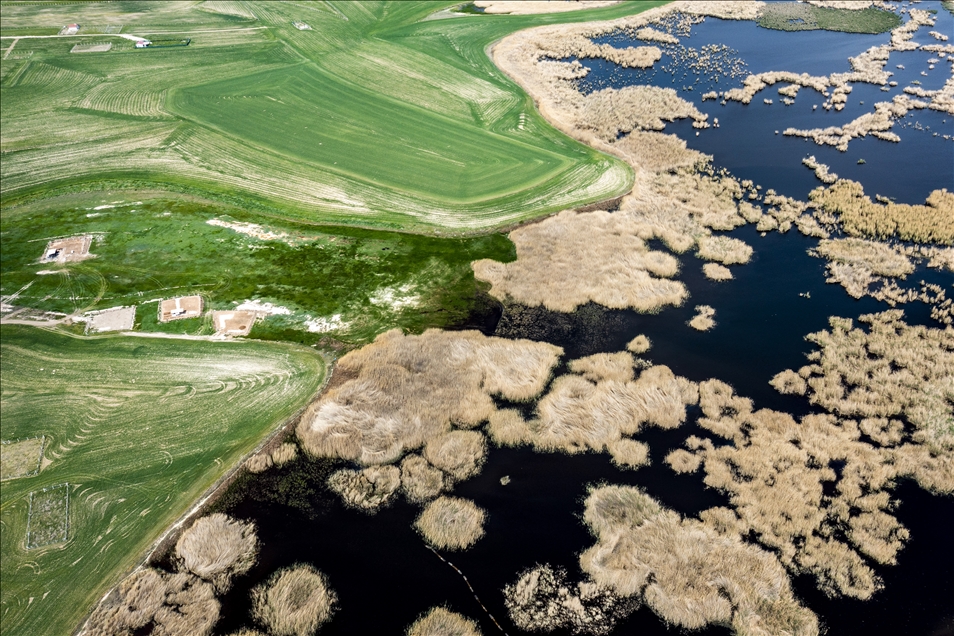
(115, 319)
(70, 29)
(301, 26)
(233, 323)
(179, 308)
(64, 250)
(100, 47)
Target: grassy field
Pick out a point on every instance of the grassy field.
(375, 117)
(138, 428)
(160, 248)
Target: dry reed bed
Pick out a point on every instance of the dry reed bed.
(217, 548)
(821, 170)
(598, 408)
(367, 489)
(574, 258)
(891, 370)
(857, 263)
(280, 456)
(703, 320)
(451, 523)
(716, 272)
(639, 344)
(685, 571)
(543, 599)
(213, 550)
(294, 601)
(440, 621)
(932, 222)
(405, 390)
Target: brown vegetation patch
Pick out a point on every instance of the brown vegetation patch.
(366, 489)
(233, 323)
(580, 414)
(153, 602)
(716, 272)
(216, 548)
(280, 456)
(686, 572)
(451, 523)
(859, 216)
(639, 344)
(21, 458)
(460, 454)
(856, 263)
(405, 390)
(440, 621)
(703, 321)
(542, 599)
(724, 249)
(890, 370)
(571, 259)
(419, 480)
(294, 601)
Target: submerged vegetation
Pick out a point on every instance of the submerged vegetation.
(800, 16)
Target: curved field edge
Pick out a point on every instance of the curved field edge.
(139, 428)
(317, 150)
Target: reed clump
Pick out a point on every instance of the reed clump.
(628, 453)
(610, 112)
(775, 472)
(687, 573)
(716, 272)
(649, 34)
(295, 601)
(597, 414)
(543, 599)
(573, 258)
(932, 222)
(891, 370)
(724, 249)
(155, 602)
(604, 366)
(703, 320)
(400, 391)
(639, 344)
(856, 263)
(280, 456)
(459, 454)
(419, 480)
(367, 489)
(440, 621)
(217, 548)
(659, 152)
(451, 523)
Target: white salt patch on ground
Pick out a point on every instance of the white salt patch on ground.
(324, 325)
(395, 297)
(264, 308)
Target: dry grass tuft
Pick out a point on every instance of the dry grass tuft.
(686, 572)
(404, 390)
(245, 631)
(610, 112)
(419, 480)
(579, 414)
(892, 370)
(278, 457)
(859, 216)
(724, 249)
(542, 599)
(775, 472)
(659, 152)
(789, 382)
(703, 321)
(877, 257)
(440, 621)
(604, 366)
(460, 454)
(216, 548)
(573, 258)
(629, 453)
(366, 489)
(639, 344)
(294, 601)
(154, 602)
(451, 523)
(716, 272)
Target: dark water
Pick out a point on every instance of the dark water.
(380, 568)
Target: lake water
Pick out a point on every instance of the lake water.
(380, 568)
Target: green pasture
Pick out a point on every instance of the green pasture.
(791, 16)
(139, 428)
(376, 117)
(154, 249)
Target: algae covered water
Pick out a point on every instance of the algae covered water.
(383, 572)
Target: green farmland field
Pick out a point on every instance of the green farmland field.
(374, 117)
(139, 428)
